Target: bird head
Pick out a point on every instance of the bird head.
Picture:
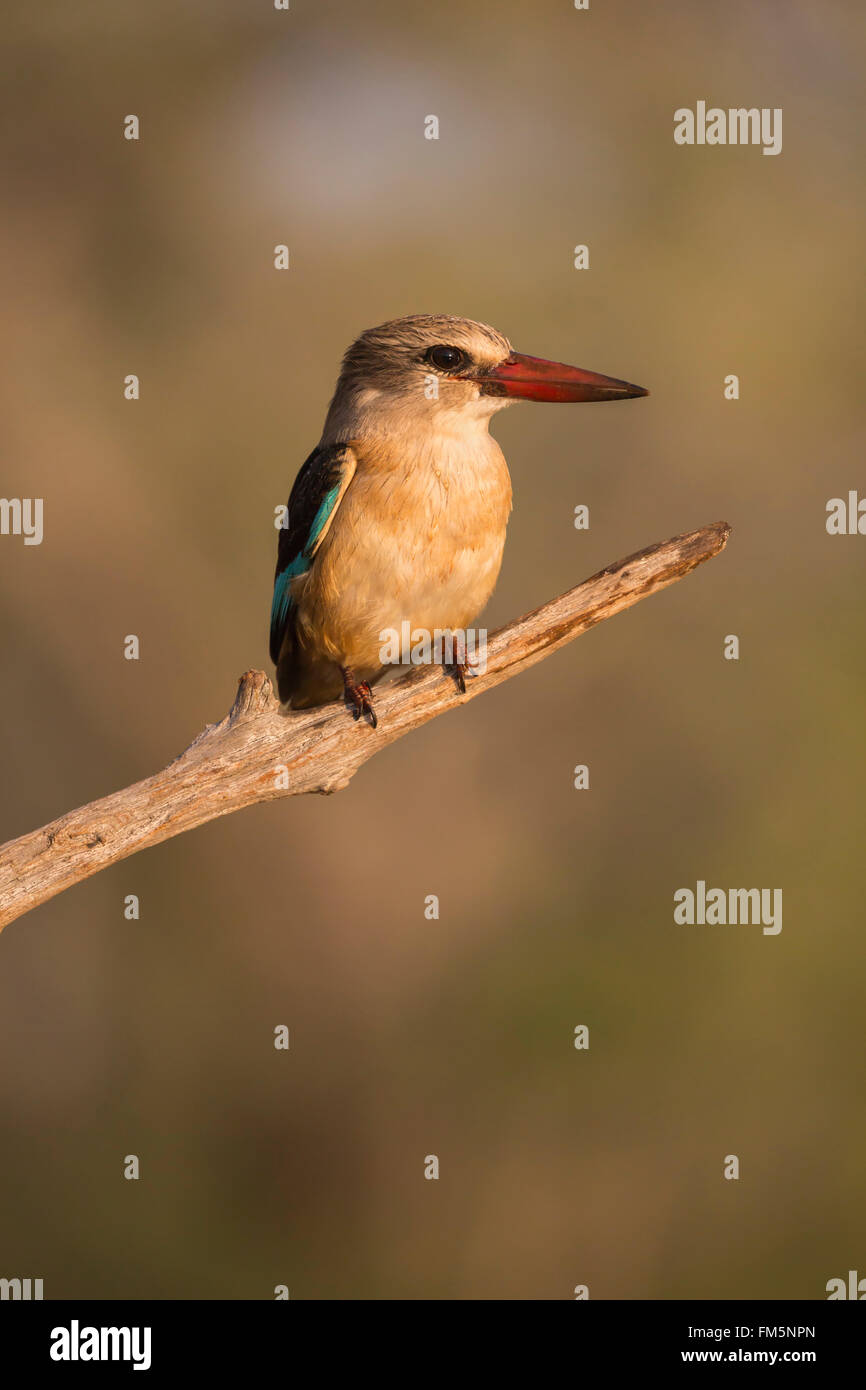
(432, 365)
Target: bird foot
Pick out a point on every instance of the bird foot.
(459, 669)
(358, 697)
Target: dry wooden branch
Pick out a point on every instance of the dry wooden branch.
(259, 752)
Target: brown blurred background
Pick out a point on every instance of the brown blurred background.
(453, 1037)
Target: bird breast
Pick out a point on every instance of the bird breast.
(418, 537)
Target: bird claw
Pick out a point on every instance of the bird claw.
(457, 662)
(460, 670)
(358, 698)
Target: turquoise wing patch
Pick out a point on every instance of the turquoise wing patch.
(315, 497)
(282, 601)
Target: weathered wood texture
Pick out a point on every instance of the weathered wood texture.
(237, 762)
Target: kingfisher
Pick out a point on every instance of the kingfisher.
(399, 513)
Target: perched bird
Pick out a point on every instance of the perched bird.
(399, 513)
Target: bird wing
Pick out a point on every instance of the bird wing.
(317, 493)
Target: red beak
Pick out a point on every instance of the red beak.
(534, 379)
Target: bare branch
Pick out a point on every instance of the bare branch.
(260, 753)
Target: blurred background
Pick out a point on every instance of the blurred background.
(452, 1037)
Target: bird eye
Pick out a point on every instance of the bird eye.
(445, 358)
